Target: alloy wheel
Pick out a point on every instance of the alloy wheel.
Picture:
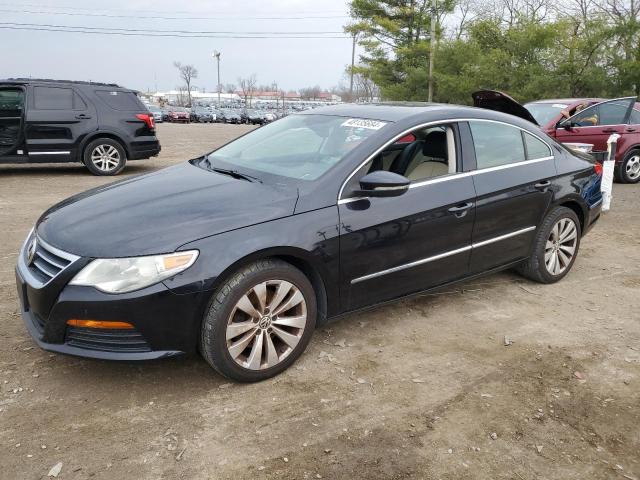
(561, 246)
(632, 167)
(266, 324)
(105, 157)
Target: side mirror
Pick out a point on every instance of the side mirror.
(383, 184)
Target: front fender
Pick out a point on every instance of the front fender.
(310, 237)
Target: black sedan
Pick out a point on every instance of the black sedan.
(243, 252)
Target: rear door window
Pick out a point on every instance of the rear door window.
(119, 100)
(613, 113)
(496, 144)
(52, 98)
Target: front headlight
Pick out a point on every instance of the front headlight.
(121, 275)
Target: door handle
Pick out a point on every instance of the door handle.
(610, 130)
(542, 185)
(83, 116)
(460, 210)
(629, 129)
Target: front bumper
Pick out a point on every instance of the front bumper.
(165, 324)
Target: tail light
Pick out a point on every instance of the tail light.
(597, 168)
(147, 118)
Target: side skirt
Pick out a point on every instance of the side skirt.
(432, 289)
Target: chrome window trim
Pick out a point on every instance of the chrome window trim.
(451, 176)
(441, 255)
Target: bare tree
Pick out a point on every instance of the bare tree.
(310, 93)
(248, 87)
(230, 88)
(182, 98)
(187, 73)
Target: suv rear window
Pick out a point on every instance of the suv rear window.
(119, 100)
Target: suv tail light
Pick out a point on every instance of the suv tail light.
(147, 118)
(598, 169)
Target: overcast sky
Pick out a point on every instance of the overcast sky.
(142, 62)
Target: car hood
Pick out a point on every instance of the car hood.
(501, 102)
(160, 211)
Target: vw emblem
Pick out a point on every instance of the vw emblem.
(31, 251)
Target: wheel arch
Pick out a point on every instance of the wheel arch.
(299, 258)
(102, 134)
(578, 208)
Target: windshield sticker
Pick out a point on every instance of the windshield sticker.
(559, 105)
(364, 123)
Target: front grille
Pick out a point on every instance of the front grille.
(122, 341)
(46, 262)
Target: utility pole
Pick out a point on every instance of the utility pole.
(216, 55)
(432, 47)
(353, 61)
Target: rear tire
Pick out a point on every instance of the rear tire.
(259, 321)
(555, 247)
(104, 157)
(628, 171)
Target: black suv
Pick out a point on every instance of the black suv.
(101, 125)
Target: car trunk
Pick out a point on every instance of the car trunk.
(501, 102)
(11, 118)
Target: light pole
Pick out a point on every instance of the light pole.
(432, 48)
(216, 55)
(353, 62)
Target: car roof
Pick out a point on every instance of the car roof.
(568, 101)
(398, 112)
(26, 81)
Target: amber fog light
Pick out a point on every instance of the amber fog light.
(105, 324)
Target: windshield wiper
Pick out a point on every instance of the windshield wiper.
(236, 174)
(232, 173)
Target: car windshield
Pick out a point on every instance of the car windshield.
(545, 112)
(302, 147)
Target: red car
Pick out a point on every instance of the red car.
(584, 120)
(179, 115)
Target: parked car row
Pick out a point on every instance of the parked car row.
(210, 114)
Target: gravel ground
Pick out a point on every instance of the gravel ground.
(423, 388)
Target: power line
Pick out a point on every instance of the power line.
(140, 34)
(146, 30)
(158, 17)
(190, 12)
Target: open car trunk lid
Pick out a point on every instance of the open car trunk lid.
(501, 102)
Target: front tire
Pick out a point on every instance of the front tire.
(628, 171)
(259, 321)
(104, 157)
(555, 247)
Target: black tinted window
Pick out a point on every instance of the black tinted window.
(53, 98)
(118, 100)
(536, 148)
(496, 144)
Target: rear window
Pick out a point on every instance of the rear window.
(119, 100)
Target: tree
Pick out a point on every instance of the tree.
(395, 37)
(230, 88)
(248, 87)
(187, 73)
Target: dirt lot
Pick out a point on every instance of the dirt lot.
(424, 388)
